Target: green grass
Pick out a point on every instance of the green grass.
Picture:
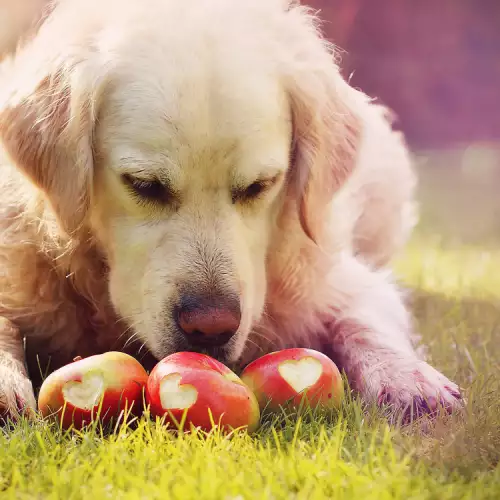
(453, 269)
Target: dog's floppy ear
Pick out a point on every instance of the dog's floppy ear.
(326, 137)
(46, 123)
(326, 128)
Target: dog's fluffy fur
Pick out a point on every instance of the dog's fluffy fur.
(207, 99)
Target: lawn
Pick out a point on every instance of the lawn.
(452, 268)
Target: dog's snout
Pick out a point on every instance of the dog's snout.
(209, 322)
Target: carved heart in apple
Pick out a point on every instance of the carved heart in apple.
(301, 374)
(202, 388)
(87, 393)
(283, 378)
(99, 386)
(174, 396)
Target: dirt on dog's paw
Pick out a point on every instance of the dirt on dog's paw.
(16, 395)
(412, 389)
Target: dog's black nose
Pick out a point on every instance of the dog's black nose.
(208, 321)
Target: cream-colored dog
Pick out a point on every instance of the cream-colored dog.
(197, 175)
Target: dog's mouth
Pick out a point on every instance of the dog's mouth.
(218, 353)
(151, 349)
(227, 354)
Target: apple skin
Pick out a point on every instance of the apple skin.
(273, 391)
(123, 383)
(213, 386)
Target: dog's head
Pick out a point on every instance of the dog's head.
(179, 138)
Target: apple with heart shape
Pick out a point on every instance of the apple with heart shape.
(283, 378)
(195, 389)
(98, 387)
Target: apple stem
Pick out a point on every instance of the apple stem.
(77, 358)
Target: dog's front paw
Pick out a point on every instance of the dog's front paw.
(410, 389)
(16, 394)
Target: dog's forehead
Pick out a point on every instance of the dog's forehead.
(221, 115)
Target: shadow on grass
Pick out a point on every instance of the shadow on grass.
(463, 340)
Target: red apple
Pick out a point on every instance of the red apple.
(202, 388)
(99, 386)
(284, 377)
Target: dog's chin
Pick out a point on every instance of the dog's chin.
(221, 354)
(227, 354)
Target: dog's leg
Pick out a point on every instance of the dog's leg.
(371, 339)
(16, 390)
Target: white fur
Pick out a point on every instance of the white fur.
(17, 18)
(206, 98)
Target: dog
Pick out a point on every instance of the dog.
(200, 177)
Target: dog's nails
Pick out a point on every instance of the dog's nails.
(456, 394)
(384, 398)
(20, 403)
(432, 403)
(22, 408)
(419, 407)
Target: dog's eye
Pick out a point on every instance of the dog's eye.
(254, 190)
(148, 190)
(251, 192)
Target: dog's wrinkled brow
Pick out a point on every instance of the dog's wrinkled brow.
(148, 169)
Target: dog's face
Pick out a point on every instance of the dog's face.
(181, 157)
(189, 177)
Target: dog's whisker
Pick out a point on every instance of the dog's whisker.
(143, 345)
(259, 347)
(123, 318)
(133, 338)
(125, 332)
(269, 336)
